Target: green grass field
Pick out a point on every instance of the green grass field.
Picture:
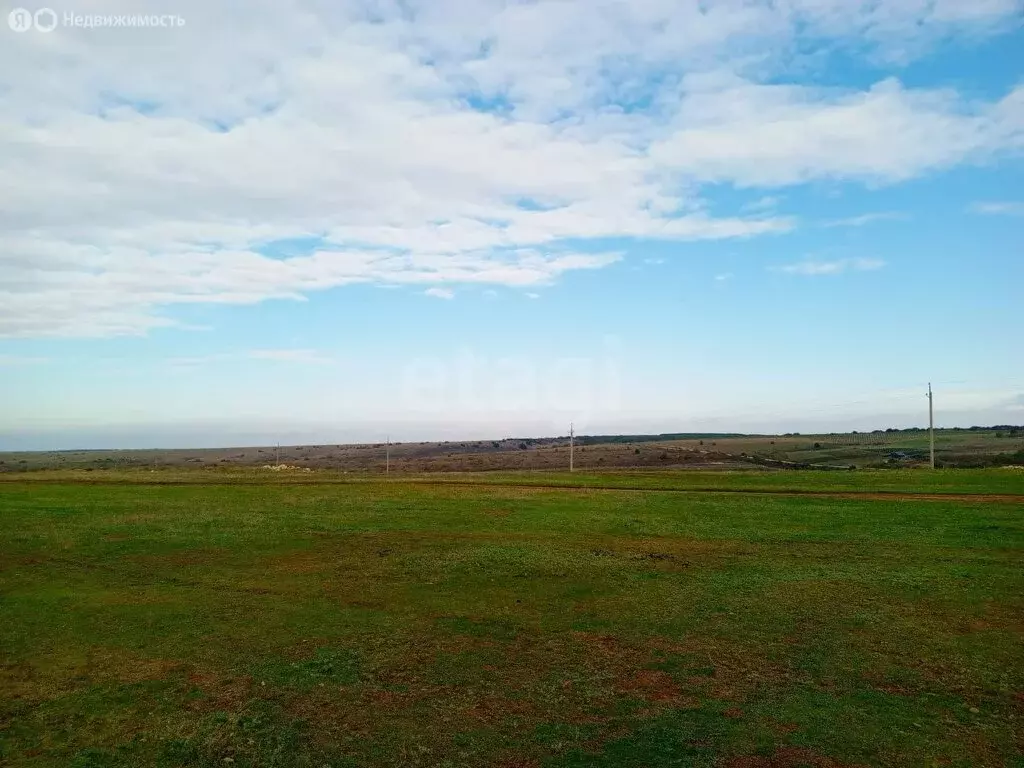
(630, 619)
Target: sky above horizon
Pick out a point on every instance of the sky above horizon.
(328, 222)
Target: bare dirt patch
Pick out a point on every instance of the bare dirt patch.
(490, 709)
(655, 686)
(789, 757)
(498, 512)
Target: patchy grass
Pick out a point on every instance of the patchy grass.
(294, 623)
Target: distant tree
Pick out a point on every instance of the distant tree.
(817, 446)
(635, 451)
(522, 446)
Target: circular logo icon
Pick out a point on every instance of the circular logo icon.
(46, 20)
(20, 20)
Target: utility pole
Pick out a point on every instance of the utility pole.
(570, 445)
(931, 425)
(277, 455)
(387, 456)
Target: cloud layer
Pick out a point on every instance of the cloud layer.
(1002, 208)
(299, 146)
(816, 268)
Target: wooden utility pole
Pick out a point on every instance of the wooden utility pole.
(571, 446)
(931, 425)
(387, 456)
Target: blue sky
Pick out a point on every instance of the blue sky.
(451, 219)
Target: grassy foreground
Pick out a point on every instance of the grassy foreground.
(292, 622)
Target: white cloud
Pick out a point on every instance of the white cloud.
(289, 355)
(533, 295)
(1004, 208)
(868, 218)
(317, 146)
(440, 293)
(721, 278)
(766, 203)
(305, 356)
(839, 266)
(756, 135)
